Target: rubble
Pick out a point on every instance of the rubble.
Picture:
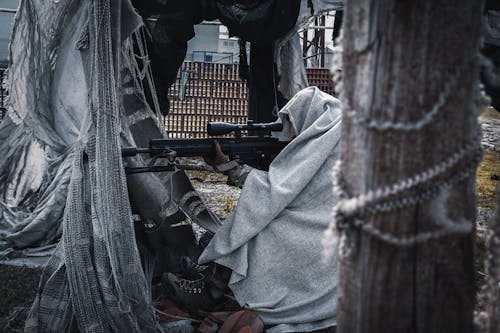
(490, 126)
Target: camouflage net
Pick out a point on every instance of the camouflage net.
(61, 143)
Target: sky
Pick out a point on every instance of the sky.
(6, 26)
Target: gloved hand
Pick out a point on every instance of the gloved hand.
(236, 173)
(238, 176)
(216, 156)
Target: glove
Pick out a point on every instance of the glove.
(236, 173)
(238, 176)
(216, 156)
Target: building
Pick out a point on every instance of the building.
(6, 23)
(213, 44)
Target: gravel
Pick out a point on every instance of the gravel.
(212, 188)
(219, 197)
(490, 141)
(491, 134)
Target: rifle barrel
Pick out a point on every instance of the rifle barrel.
(132, 151)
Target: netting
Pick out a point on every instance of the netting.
(95, 281)
(77, 80)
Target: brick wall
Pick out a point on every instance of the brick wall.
(214, 92)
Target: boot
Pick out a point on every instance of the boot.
(191, 294)
(216, 276)
(190, 268)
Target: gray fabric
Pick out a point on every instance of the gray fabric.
(318, 7)
(62, 163)
(35, 164)
(288, 51)
(94, 281)
(272, 241)
(291, 70)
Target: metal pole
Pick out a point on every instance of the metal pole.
(322, 41)
(337, 25)
(8, 10)
(304, 46)
(2, 94)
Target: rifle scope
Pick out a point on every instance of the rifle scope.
(221, 128)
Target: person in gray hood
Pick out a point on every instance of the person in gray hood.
(272, 243)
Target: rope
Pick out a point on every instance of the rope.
(382, 125)
(350, 211)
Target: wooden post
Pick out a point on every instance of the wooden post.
(410, 77)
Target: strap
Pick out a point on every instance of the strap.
(226, 166)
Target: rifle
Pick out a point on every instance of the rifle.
(257, 150)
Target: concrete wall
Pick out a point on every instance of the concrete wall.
(212, 44)
(205, 40)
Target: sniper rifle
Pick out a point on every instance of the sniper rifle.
(256, 150)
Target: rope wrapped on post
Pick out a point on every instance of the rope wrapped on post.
(350, 211)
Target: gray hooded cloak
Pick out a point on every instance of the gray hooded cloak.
(272, 241)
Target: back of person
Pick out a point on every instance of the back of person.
(272, 241)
